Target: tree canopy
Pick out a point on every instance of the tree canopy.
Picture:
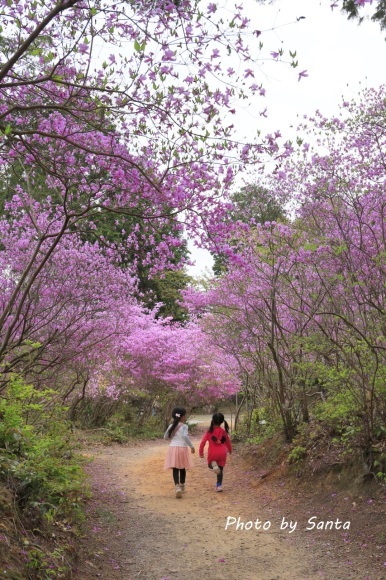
(117, 138)
(302, 304)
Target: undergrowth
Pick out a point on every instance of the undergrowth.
(332, 440)
(41, 483)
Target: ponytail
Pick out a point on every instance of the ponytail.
(217, 420)
(177, 414)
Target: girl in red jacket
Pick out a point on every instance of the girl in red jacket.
(219, 445)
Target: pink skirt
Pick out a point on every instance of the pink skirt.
(180, 457)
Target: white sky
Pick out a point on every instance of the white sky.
(339, 56)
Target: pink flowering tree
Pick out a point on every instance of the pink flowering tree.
(69, 305)
(79, 329)
(158, 364)
(159, 356)
(342, 203)
(111, 108)
(308, 296)
(253, 315)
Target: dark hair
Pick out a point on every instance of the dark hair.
(217, 420)
(177, 414)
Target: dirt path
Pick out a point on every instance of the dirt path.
(138, 529)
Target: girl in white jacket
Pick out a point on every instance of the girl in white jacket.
(178, 457)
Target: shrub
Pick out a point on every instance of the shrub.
(36, 454)
(297, 454)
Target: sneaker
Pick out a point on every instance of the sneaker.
(182, 486)
(219, 488)
(178, 491)
(215, 467)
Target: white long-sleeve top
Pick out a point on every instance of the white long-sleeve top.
(180, 437)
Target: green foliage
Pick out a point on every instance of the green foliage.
(112, 229)
(93, 413)
(127, 424)
(36, 454)
(352, 9)
(341, 416)
(41, 478)
(118, 424)
(339, 412)
(378, 467)
(43, 565)
(16, 175)
(297, 454)
(257, 427)
(252, 204)
(167, 289)
(151, 428)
